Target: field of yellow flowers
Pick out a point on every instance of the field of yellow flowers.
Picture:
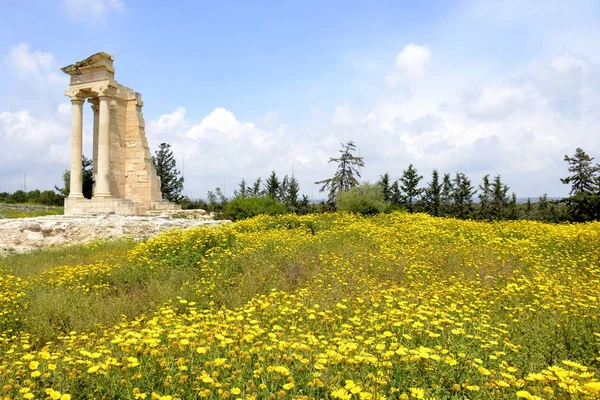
(331, 306)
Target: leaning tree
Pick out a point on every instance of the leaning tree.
(345, 176)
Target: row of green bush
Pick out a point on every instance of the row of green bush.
(369, 199)
(46, 197)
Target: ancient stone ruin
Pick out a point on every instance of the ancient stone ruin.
(125, 181)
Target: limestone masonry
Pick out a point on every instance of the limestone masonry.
(125, 181)
(26, 234)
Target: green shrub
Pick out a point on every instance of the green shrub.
(366, 199)
(248, 207)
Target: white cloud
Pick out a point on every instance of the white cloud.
(568, 61)
(343, 116)
(96, 9)
(33, 65)
(413, 59)
(27, 62)
(169, 122)
(500, 100)
(36, 145)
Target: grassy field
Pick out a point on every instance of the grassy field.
(28, 210)
(328, 306)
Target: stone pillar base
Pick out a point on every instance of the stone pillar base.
(81, 206)
(100, 206)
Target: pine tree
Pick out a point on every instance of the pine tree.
(291, 199)
(255, 192)
(584, 174)
(242, 190)
(512, 211)
(272, 186)
(462, 196)
(485, 198)
(447, 195)
(384, 182)
(304, 205)
(283, 189)
(500, 199)
(395, 194)
(171, 184)
(528, 209)
(409, 182)
(584, 200)
(543, 206)
(433, 195)
(346, 173)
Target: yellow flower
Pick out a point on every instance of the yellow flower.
(33, 364)
(417, 393)
(93, 369)
(524, 394)
(592, 386)
(54, 394)
(236, 390)
(341, 393)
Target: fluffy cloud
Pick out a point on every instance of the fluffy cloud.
(220, 150)
(514, 126)
(519, 125)
(97, 9)
(34, 119)
(413, 59)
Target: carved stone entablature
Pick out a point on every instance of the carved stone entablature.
(76, 94)
(103, 90)
(96, 67)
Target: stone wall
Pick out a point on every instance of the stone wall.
(27, 234)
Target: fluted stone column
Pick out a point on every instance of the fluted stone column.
(76, 184)
(95, 109)
(103, 183)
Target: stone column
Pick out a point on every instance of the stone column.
(95, 108)
(103, 183)
(76, 183)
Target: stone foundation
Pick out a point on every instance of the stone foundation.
(26, 234)
(108, 205)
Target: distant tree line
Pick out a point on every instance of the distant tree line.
(274, 196)
(444, 195)
(45, 197)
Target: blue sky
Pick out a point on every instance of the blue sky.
(242, 88)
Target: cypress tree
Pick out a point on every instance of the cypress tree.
(463, 196)
(485, 198)
(272, 186)
(500, 199)
(446, 196)
(433, 195)
(409, 182)
(384, 182)
(171, 184)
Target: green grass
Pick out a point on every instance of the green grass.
(33, 263)
(28, 211)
